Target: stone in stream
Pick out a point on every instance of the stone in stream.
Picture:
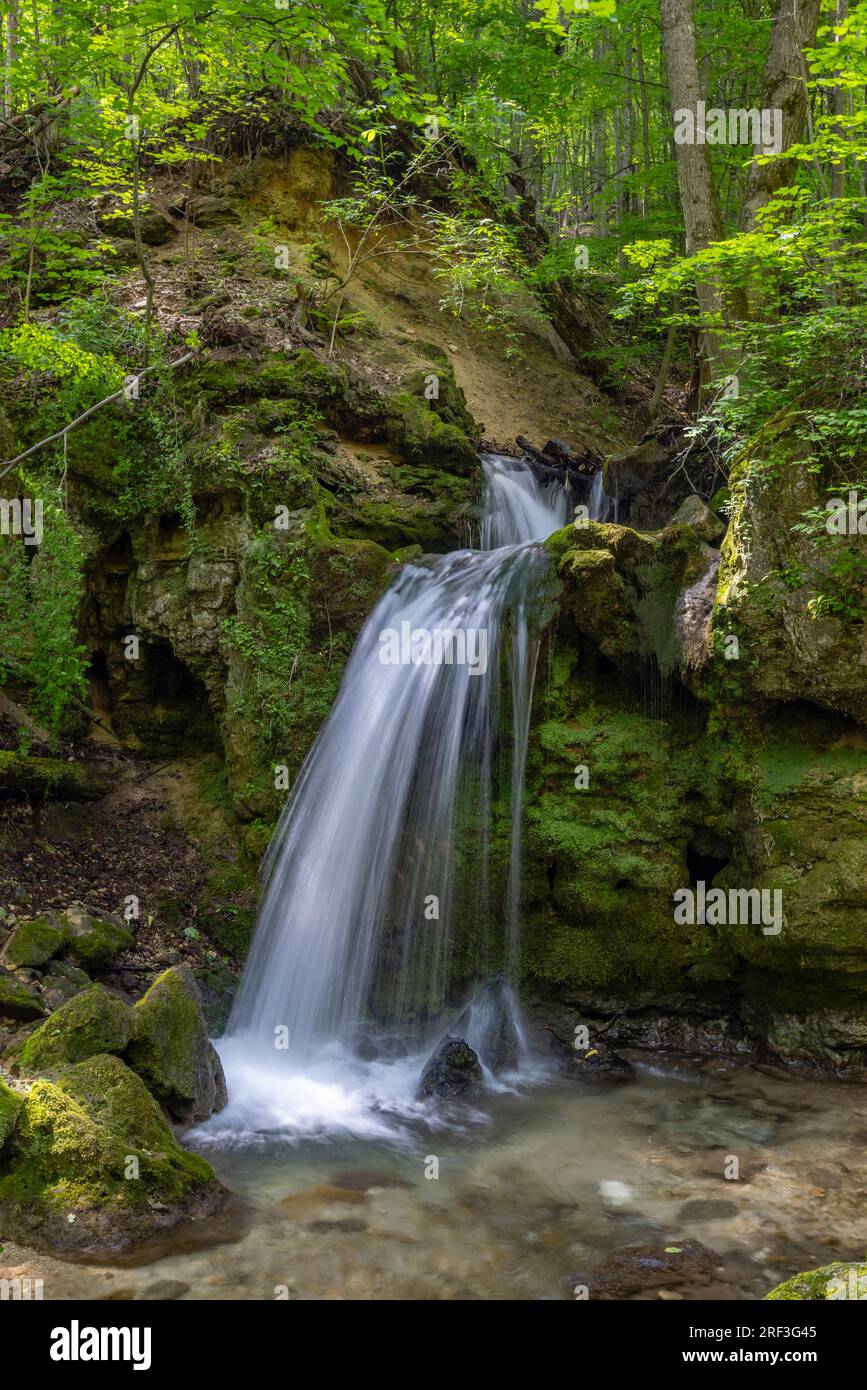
(489, 1019)
(452, 1071)
(596, 1062)
(648, 1267)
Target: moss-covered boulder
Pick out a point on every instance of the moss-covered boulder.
(92, 1167)
(171, 1050)
(33, 943)
(92, 1022)
(832, 1282)
(11, 1106)
(18, 1000)
(94, 943)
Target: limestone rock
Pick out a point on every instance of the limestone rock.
(171, 1050)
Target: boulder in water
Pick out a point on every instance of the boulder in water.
(597, 1062)
(67, 1181)
(489, 1019)
(451, 1072)
(649, 1267)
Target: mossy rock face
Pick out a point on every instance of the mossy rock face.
(94, 1021)
(171, 1050)
(772, 572)
(94, 942)
(18, 1000)
(93, 1167)
(828, 1284)
(34, 942)
(11, 1106)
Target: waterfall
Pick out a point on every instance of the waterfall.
(385, 836)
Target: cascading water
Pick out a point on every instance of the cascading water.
(385, 837)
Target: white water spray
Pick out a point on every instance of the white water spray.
(379, 868)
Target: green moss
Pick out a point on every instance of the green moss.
(171, 1050)
(92, 1022)
(18, 1001)
(832, 1282)
(34, 942)
(94, 942)
(91, 1161)
(11, 1106)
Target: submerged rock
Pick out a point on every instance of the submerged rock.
(92, 1167)
(840, 1280)
(171, 1050)
(648, 1267)
(452, 1071)
(93, 1021)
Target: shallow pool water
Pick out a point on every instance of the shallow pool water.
(533, 1188)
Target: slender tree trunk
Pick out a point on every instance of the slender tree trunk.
(698, 194)
(11, 37)
(794, 28)
(838, 106)
(645, 120)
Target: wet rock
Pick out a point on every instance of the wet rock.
(707, 1209)
(171, 1050)
(346, 1224)
(452, 1071)
(66, 1180)
(325, 1194)
(649, 1267)
(17, 1000)
(489, 1019)
(392, 1049)
(92, 1022)
(164, 1289)
(365, 1049)
(596, 1062)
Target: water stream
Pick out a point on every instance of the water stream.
(352, 971)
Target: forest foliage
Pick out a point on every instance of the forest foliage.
(736, 257)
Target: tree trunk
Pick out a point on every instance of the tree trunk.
(698, 194)
(9, 55)
(794, 28)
